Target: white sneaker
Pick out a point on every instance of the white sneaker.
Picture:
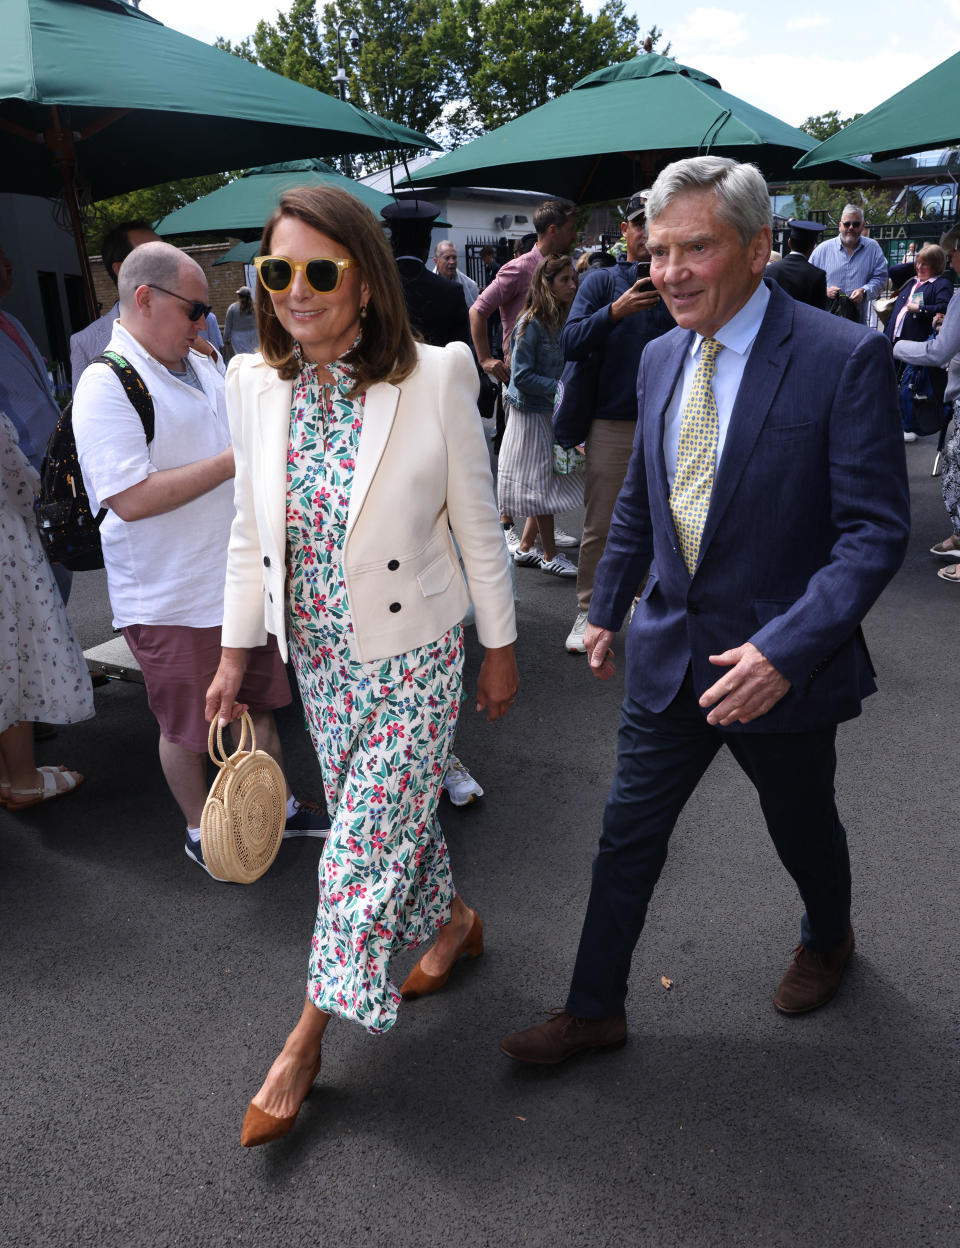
(512, 538)
(574, 642)
(909, 437)
(460, 785)
(559, 565)
(532, 558)
(564, 539)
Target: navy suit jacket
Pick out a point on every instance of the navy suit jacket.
(808, 521)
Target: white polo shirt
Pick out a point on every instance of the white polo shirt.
(167, 569)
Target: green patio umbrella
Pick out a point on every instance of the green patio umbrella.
(615, 130)
(244, 205)
(97, 98)
(922, 116)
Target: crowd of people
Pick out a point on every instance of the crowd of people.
(332, 494)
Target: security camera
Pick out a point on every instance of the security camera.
(355, 42)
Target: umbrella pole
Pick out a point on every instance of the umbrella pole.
(60, 142)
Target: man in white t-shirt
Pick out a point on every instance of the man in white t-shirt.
(88, 343)
(170, 507)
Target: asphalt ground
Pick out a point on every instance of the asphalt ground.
(141, 1003)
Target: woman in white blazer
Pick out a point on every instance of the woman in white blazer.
(357, 451)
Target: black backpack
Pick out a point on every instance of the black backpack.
(69, 531)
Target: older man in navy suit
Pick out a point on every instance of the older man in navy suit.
(767, 495)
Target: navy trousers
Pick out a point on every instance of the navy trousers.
(660, 760)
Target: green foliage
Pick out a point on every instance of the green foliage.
(533, 50)
(823, 125)
(449, 68)
(149, 204)
(820, 196)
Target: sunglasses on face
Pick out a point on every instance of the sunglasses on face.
(322, 274)
(852, 225)
(197, 309)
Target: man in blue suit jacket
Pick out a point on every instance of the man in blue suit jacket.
(767, 495)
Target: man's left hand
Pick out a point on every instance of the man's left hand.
(857, 295)
(751, 687)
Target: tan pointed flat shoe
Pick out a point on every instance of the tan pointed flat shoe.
(419, 984)
(259, 1127)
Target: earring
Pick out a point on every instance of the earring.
(363, 312)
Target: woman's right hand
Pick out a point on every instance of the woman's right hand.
(221, 696)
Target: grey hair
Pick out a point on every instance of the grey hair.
(445, 242)
(742, 198)
(151, 264)
(950, 242)
(854, 208)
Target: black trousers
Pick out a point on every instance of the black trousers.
(660, 760)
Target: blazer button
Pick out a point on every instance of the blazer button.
(395, 606)
(393, 565)
(266, 561)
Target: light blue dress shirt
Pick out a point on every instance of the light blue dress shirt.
(866, 268)
(738, 336)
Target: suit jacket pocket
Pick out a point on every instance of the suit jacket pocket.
(436, 576)
(790, 433)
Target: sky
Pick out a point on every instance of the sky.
(849, 58)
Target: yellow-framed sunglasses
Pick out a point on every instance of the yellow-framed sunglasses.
(321, 273)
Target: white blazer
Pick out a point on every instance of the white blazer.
(422, 469)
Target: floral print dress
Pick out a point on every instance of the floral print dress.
(43, 675)
(382, 731)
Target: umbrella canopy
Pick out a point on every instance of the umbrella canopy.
(97, 98)
(616, 129)
(240, 253)
(916, 119)
(144, 104)
(244, 205)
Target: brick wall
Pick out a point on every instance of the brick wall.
(222, 280)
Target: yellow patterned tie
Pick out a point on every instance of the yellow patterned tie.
(696, 456)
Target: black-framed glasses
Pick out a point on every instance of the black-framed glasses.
(852, 225)
(197, 309)
(322, 274)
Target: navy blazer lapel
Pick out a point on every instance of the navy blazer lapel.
(758, 388)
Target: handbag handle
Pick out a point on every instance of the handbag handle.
(226, 760)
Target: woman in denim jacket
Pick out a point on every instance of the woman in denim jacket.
(526, 482)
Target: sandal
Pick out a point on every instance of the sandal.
(20, 799)
(949, 548)
(951, 573)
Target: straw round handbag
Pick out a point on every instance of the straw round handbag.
(243, 817)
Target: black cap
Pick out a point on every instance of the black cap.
(410, 210)
(601, 260)
(636, 206)
(805, 227)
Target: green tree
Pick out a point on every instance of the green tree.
(150, 203)
(449, 68)
(819, 196)
(823, 125)
(533, 50)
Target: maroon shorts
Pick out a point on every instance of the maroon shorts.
(178, 665)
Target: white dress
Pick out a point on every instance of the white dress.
(43, 675)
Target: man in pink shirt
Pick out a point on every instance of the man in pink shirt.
(556, 226)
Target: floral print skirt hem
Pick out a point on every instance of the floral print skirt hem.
(382, 732)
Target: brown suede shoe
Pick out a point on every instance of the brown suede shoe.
(562, 1035)
(813, 978)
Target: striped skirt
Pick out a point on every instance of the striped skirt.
(526, 482)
